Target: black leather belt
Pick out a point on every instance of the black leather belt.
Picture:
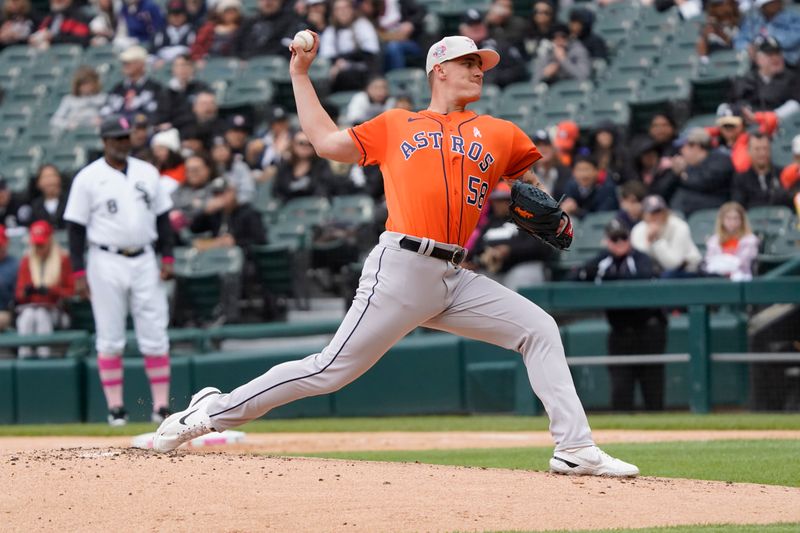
(450, 253)
(127, 252)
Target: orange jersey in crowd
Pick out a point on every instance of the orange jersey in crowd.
(438, 169)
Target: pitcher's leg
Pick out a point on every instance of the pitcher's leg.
(483, 309)
(384, 310)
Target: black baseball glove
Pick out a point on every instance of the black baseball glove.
(538, 213)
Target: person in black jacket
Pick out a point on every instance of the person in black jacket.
(269, 32)
(177, 38)
(182, 90)
(506, 254)
(769, 86)
(50, 205)
(137, 93)
(552, 174)
(761, 184)
(700, 177)
(584, 193)
(64, 24)
(508, 70)
(10, 203)
(581, 21)
(633, 331)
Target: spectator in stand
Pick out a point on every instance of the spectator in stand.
(632, 331)
(564, 58)
(611, 155)
(137, 93)
(732, 249)
(552, 174)
(43, 281)
(541, 27)
(369, 103)
(191, 196)
(8, 280)
(197, 11)
(315, 14)
(167, 158)
(790, 177)
(581, 21)
(268, 151)
(82, 106)
(508, 70)
(399, 24)
(631, 195)
(732, 137)
(140, 138)
(143, 20)
(18, 21)
(206, 123)
(51, 201)
(505, 253)
(64, 24)
(761, 184)
(584, 193)
(701, 177)
(269, 32)
(720, 27)
(667, 239)
(688, 9)
(771, 18)
(351, 44)
(647, 164)
(504, 25)
(219, 36)
(229, 222)
(231, 166)
(304, 173)
(182, 90)
(104, 26)
(769, 86)
(565, 140)
(238, 132)
(177, 37)
(10, 204)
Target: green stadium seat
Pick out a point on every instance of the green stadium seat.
(62, 53)
(99, 55)
(644, 44)
(67, 158)
(18, 175)
(630, 65)
(292, 233)
(18, 55)
(308, 210)
(275, 268)
(649, 20)
(407, 80)
(265, 65)
(770, 222)
(597, 221)
(341, 99)
(702, 225)
(244, 93)
(353, 209)
(711, 82)
(700, 121)
(219, 68)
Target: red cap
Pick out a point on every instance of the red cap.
(566, 135)
(3, 236)
(40, 232)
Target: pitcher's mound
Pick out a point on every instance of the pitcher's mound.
(110, 489)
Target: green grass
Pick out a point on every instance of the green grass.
(665, 421)
(720, 528)
(752, 461)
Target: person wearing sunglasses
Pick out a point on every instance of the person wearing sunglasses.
(632, 331)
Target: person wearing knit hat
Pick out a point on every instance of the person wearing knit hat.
(166, 146)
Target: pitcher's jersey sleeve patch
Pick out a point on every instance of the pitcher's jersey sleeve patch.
(523, 153)
(370, 138)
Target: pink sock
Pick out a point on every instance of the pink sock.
(157, 369)
(110, 366)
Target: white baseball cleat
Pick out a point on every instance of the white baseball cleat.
(186, 425)
(590, 461)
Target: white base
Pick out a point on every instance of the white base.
(145, 440)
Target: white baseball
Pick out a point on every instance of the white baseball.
(304, 40)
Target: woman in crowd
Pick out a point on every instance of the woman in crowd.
(43, 281)
(304, 174)
(50, 204)
(82, 106)
(217, 37)
(235, 171)
(166, 146)
(730, 252)
(351, 44)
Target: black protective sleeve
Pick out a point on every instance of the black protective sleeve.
(77, 245)
(166, 238)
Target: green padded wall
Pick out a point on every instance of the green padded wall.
(136, 389)
(49, 391)
(7, 414)
(228, 370)
(422, 374)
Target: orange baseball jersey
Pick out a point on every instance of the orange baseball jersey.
(438, 170)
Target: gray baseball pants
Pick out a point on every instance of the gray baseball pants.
(398, 291)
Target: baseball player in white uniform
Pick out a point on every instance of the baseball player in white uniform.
(438, 164)
(117, 206)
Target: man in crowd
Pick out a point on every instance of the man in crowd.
(137, 93)
(584, 193)
(770, 17)
(760, 184)
(770, 85)
(269, 32)
(473, 25)
(566, 59)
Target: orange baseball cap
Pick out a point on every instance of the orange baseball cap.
(502, 191)
(40, 232)
(566, 136)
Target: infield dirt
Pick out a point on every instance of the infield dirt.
(122, 489)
